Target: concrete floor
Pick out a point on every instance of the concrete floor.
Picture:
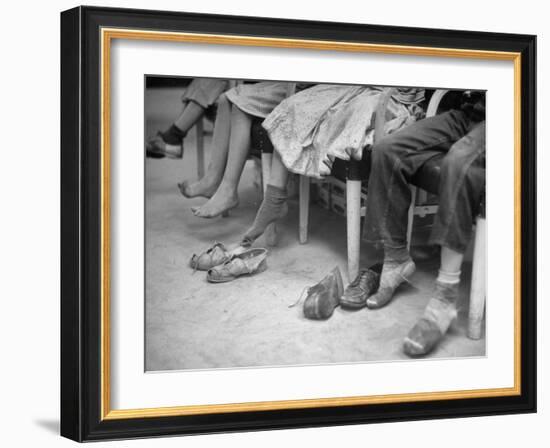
(192, 324)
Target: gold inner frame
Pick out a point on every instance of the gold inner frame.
(107, 35)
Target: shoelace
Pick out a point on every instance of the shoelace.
(306, 289)
(360, 280)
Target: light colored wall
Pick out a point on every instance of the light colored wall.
(29, 164)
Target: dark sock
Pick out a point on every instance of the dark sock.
(173, 135)
(273, 207)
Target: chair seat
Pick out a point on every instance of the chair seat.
(351, 170)
(427, 178)
(261, 143)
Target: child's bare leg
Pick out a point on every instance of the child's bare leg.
(226, 196)
(192, 112)
(278, 176)
(274, 204)
(208, 185)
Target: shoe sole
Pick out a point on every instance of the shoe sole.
(352, 305)
(170, 152)
(261, 268)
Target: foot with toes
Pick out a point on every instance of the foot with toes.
(205, 187)
(222, 201)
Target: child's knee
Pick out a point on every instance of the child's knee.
(222, 100)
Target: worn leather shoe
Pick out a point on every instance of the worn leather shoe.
(324, 297)
(213, 256)
(252, 261)
(359, 290)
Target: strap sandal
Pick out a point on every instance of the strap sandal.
(213, 256)
(249, 262)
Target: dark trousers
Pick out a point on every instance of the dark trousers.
(397, 157)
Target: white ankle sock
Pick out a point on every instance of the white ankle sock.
(450, 278)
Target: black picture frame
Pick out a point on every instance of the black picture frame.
(81, 224)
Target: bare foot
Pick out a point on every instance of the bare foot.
(204, 187)
(222, 201)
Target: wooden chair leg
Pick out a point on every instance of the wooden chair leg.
(199, 130)
(304, 208)
(353, 211)
(271, 236)
(410, 222)
(477, 291)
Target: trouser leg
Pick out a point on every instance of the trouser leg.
(460, 189)
(395, 159)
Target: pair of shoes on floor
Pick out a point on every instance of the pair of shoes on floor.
(430, 329)
(368, 289)
(325, 296)
(361, 288)
(224, 265)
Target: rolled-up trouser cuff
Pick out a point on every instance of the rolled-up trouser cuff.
(205, 91)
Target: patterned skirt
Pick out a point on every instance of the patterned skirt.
(313, 127)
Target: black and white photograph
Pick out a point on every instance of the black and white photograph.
(275, 224)
(303, 223)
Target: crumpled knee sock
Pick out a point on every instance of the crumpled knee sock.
(398, 268)
(434, 323)
(273, 207)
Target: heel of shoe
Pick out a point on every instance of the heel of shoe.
(261, 267)
(408, 271)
